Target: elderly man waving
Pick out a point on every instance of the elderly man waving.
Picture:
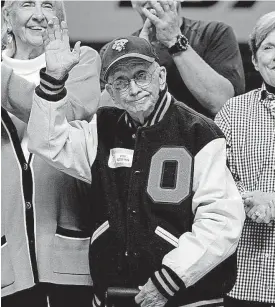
(166, 214)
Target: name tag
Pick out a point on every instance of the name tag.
(120, 157)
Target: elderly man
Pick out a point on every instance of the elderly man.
(202, 58)
(166, 214)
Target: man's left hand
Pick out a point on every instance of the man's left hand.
(149, 296)
(166, 21)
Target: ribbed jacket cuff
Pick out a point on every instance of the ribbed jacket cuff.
(50, 88)
(167, 282)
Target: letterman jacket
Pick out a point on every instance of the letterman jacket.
(164, 206)
(44, 229)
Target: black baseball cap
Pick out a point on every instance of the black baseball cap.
(127, 47)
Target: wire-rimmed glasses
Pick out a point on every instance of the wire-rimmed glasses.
(142, 79)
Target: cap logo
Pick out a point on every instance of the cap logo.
(119, 44)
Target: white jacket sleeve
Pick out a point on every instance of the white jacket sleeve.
(218, 221)
(70, 147)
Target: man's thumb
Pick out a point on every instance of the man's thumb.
(77, 48)
(147, 28)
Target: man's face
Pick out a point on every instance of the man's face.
(265, 59)
(135, 85)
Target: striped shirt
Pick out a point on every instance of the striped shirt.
(248, 122)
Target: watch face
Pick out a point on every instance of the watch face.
(181, 45)
(183, 42)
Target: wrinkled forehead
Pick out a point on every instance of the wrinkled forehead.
(58, 6)
(127, 67)
(19, 2)
(269, 39)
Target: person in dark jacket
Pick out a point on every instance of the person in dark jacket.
(166, 213)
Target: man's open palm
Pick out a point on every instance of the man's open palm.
(59, 57)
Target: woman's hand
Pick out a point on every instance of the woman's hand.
(59, 57)
(259, 206)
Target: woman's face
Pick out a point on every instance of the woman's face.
(28, 19)
(264, 61)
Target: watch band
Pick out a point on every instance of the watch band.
(180, 45)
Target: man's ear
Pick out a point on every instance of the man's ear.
(109, 89)
(162, 77)
(255, 62)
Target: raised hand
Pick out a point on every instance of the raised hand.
(59, 57)
(166, 20)
(147, 30)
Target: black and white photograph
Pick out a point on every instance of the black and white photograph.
(137, 153)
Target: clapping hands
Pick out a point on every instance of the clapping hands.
(260, 206)
(59, 57)
(163, 19)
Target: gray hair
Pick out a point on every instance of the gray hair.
(263, 27)
(7, 8)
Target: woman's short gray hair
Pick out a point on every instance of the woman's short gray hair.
(8, 7)
(263, 27)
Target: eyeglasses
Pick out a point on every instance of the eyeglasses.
(142, 79)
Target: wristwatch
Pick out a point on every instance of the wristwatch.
(180, 45)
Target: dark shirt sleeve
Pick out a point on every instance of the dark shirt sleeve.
(223, 55)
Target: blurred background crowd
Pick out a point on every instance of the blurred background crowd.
(98, 22)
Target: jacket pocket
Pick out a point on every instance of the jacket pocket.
(167, 236)
(99, 231)
(7, 273)
(71, 249)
